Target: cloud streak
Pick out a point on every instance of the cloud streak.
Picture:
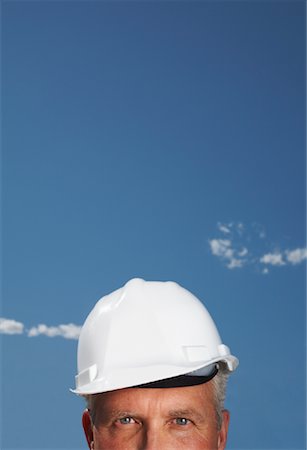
(224, 228)
(66, 331)
(287, 257)
(274, 259)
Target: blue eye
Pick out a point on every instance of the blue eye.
(126, 420)
(182, 421)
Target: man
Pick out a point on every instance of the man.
(153, 370)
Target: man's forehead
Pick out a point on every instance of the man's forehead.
(171, 398)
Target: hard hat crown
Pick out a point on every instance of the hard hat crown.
(144, 332)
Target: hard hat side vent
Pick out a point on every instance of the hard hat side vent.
(86, 376)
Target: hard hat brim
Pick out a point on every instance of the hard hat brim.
(148, 375)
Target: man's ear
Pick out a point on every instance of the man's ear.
(88, 428)
(222, 439)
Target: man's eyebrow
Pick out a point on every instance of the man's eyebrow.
(115, 413)
(186, 412)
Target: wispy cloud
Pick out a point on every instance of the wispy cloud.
(274, 259)
(224, 250)
(221, 247)
(235, 263)
(296, 256)
(287, 257)
(243, 252)
(67, 331)
(223, 228)
(238, 245)
(9, 326)
(231, 227)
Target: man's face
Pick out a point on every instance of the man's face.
(156, 419)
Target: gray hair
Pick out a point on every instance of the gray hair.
(219, 385)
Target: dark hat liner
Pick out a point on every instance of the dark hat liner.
(180, 381)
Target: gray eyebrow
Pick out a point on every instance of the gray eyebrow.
(119, 413)
(190, 412)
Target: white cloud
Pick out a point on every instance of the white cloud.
(68, 331)
(9, 326)
(289, 257)
(235, 263)
(296, 256)
(243, 252)
(222, 248)
(274, 259)
(265, 271)
(223, 228)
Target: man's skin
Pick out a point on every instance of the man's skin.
(156, 419)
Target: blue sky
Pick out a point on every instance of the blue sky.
(164, 140)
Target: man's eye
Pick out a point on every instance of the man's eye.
(182, 421)
(126, 420)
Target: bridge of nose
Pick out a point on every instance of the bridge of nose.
(154, 434)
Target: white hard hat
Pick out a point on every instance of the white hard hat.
(144, 332)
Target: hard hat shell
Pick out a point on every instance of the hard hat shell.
(144, 332)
